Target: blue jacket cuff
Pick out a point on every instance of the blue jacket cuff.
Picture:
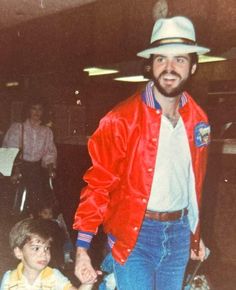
(84, 239)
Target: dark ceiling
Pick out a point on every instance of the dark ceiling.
(56, 37)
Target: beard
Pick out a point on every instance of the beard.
(174, 92)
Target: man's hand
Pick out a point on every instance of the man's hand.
(83, 267)
(202, 255)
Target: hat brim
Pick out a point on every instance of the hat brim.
(173, 48)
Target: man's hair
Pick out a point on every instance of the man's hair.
(194, 58)
(23, 231)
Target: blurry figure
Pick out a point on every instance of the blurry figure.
(63, 249)
(38, 153)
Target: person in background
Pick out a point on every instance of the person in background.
(63, 249)
(37, 150)
(149, 158)
(30, 239)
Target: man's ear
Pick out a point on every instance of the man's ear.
(193, 69)
(18, 253)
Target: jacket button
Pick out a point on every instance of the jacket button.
(122, 260)
(158, 111)
(144, 200)
(154, 139)
(135, 229)
(129, 250)
(150, 169)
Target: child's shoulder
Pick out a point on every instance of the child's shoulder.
(53, 274)
(6, 278)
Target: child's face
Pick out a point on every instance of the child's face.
(35, 255)
(46, 213)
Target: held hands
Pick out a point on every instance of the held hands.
(83, 267)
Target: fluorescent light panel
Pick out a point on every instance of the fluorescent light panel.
(96, 71)
(12, 84)
(138, 78)
(209, 58)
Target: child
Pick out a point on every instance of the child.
(30, 240)
(63, 249)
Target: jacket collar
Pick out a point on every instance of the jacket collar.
(16, 278)
(150, 100)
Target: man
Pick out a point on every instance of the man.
(149, 160)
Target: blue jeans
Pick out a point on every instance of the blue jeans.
(108, 282)
(159, 258)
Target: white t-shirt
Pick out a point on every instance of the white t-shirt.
(173, 182)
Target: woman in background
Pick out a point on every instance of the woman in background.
(38, 153)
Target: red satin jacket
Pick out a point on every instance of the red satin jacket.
(123, 151)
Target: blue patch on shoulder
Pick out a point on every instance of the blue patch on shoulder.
(202, 134)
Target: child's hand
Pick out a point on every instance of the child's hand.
(86, 286)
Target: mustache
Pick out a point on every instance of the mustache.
(170, 72)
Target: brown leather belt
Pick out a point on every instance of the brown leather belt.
(166, 216)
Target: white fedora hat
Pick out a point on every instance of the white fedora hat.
(173, 35)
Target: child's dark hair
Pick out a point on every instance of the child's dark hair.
(48, 204)
(23, 231)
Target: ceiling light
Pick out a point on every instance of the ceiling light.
(209, 58)
(12, 84)
(137, 78)
(96, 71)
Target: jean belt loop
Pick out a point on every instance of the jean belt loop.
(182, 214)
